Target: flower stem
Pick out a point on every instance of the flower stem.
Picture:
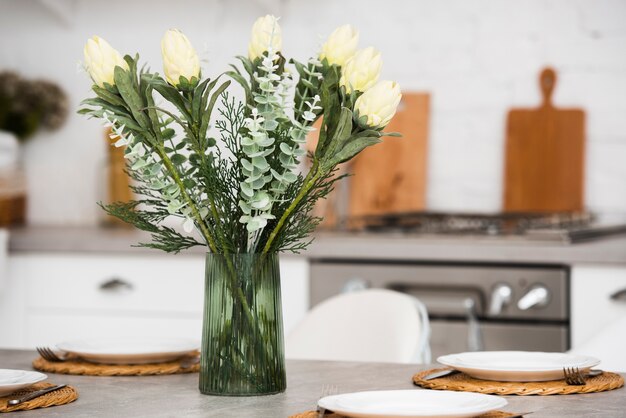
(309, 182)
(194, 210)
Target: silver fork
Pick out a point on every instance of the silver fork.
(327, 390)
(47, 354)
(573, 376)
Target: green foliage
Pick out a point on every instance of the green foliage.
(246, 195)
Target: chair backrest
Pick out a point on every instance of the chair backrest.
(375, 325)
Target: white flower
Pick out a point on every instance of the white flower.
(362, 70)
(266, 35)
(379, 103)
(101, 60)
(340, 45)
(179, 57)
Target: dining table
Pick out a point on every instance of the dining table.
(178, 395)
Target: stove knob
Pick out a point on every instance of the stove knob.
(500, 298)
(537, 297)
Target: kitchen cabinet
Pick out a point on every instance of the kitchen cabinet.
(592, 307)
(49, 297)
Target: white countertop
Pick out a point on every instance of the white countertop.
(347, 246)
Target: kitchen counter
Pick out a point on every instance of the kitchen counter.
(348, 246)
(178, 396)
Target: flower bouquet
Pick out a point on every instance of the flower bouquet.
(231, 170)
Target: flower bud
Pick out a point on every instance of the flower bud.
(101, 60)
(362, 70)
(179, 57)
(266, 35)
(379, 103)
(340, 45)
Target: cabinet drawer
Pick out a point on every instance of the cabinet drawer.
(138, 283)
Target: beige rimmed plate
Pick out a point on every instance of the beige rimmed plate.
(132, 350)
(14, 380)
(517, 366)
(413, 403)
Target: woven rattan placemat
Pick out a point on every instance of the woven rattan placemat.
(464, 383)
(492, 414)
(79, 367)
(58, 397)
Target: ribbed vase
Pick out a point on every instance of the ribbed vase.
(242, 336)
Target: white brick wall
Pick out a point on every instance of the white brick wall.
(477, 57)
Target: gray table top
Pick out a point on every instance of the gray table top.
(178, 396)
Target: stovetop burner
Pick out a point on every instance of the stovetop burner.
(565, 227)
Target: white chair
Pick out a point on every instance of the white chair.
(374, 325)
(608, 345)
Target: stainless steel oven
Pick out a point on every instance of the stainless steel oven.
(471, 307)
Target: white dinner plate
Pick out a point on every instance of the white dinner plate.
(130, 350)
(517, 366)
(14, 380)
(415, 403)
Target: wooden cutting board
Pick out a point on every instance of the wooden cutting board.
(545, 156)
(391, 177)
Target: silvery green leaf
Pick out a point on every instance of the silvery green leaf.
(188, 225)
(289, 177)
(246, 189)
(276, 174)
(271, 125)
(285, 160)
(246, 164)
(245, 207)
(297, 135)
(174, 206)
(246, 141)
(258, 183)
(286, 149)
(155, 168)
(204, 212)
(158, 185)
(253, 176)
(140, 163)
(261, 200)
(256, 223)
(171, 188)
(260, 162)
(121, 142)
(265, 142)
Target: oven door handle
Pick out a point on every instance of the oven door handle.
(619, 296)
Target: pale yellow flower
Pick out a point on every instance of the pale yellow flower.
(379, 103)
(101, 60)
(362, 70)
(341, 45)
(266, 34)
(179, 57)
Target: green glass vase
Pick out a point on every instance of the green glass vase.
(242, 336)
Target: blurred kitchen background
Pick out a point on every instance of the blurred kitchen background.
(488, 281)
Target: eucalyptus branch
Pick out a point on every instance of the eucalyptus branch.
(309, 181)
